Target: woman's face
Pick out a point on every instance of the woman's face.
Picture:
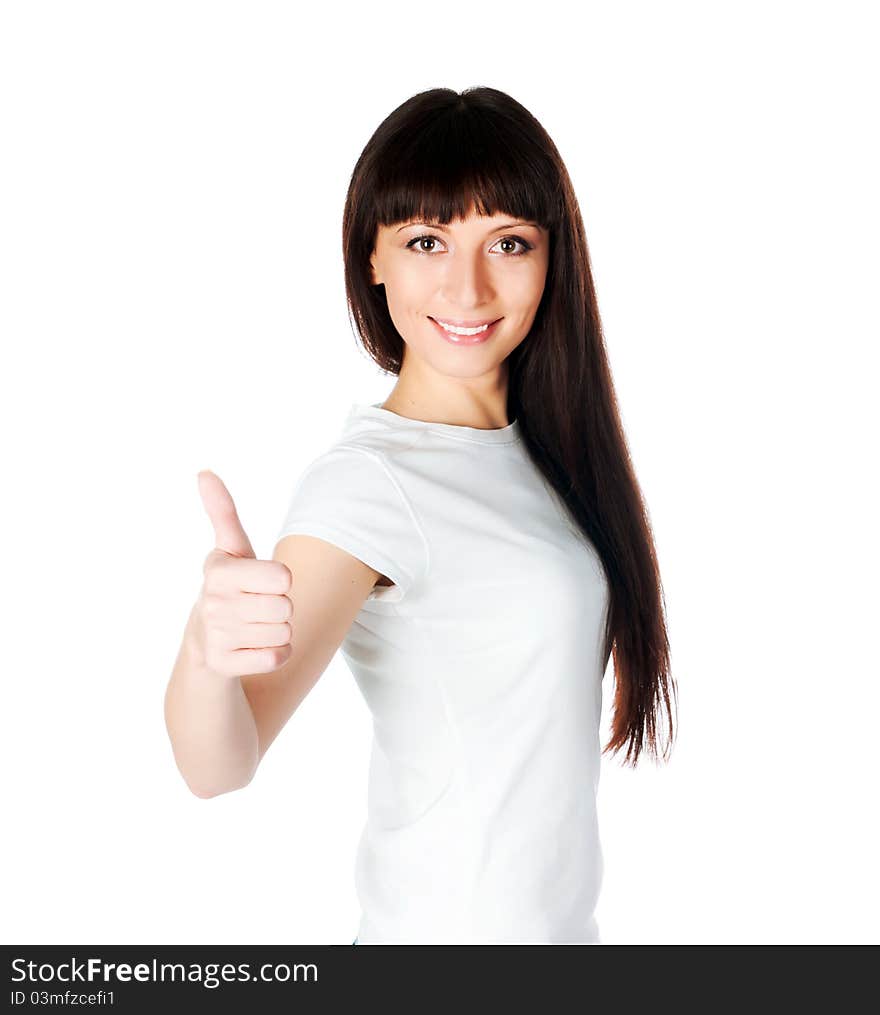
(477, 269)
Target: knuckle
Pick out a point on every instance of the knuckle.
(285, 578)
(212, 579)
(211, 607)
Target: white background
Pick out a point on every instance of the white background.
(171, 191)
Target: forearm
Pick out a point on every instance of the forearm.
(210, 723)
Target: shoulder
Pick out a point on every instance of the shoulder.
(379, 439)
(348, 468)
(353, 497)
(371, 456)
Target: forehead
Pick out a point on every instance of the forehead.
(472, 223)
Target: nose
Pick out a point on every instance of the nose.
(467, 283)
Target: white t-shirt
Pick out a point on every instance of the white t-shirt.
(482, 667)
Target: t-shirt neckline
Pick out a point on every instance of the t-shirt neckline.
(502, 435)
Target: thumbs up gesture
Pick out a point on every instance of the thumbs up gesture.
(242, 616)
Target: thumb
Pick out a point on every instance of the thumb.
(229, 535)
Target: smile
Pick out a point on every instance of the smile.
(459, 335)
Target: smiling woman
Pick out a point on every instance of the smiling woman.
(476, 547)
(468, 276)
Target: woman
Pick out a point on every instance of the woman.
(477, 547)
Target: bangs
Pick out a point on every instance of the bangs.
(465, 160)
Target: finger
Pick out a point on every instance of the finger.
(232, 575)
(229, 535)
(264, 608)
(257, 636)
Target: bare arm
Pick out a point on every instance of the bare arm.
(257, 640)
(209, 721)
(329, 588)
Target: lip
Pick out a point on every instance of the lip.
(478, 339)
(457, 323)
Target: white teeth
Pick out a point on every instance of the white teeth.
(462, 331)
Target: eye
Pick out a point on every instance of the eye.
(411, 245)
(516, 239)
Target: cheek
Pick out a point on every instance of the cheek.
(528, 286)
(409, 301)
(406, 284)
(406, 303)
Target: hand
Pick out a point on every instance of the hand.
(242, 616)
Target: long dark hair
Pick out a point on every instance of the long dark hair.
(435, 157)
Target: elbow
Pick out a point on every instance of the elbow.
(207, 792)
(203, 794)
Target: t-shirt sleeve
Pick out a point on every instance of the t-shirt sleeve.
(350, 497)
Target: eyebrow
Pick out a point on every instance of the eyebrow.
(444, 229)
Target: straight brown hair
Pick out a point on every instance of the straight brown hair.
(437, 156)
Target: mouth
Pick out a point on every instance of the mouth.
(465, 333)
